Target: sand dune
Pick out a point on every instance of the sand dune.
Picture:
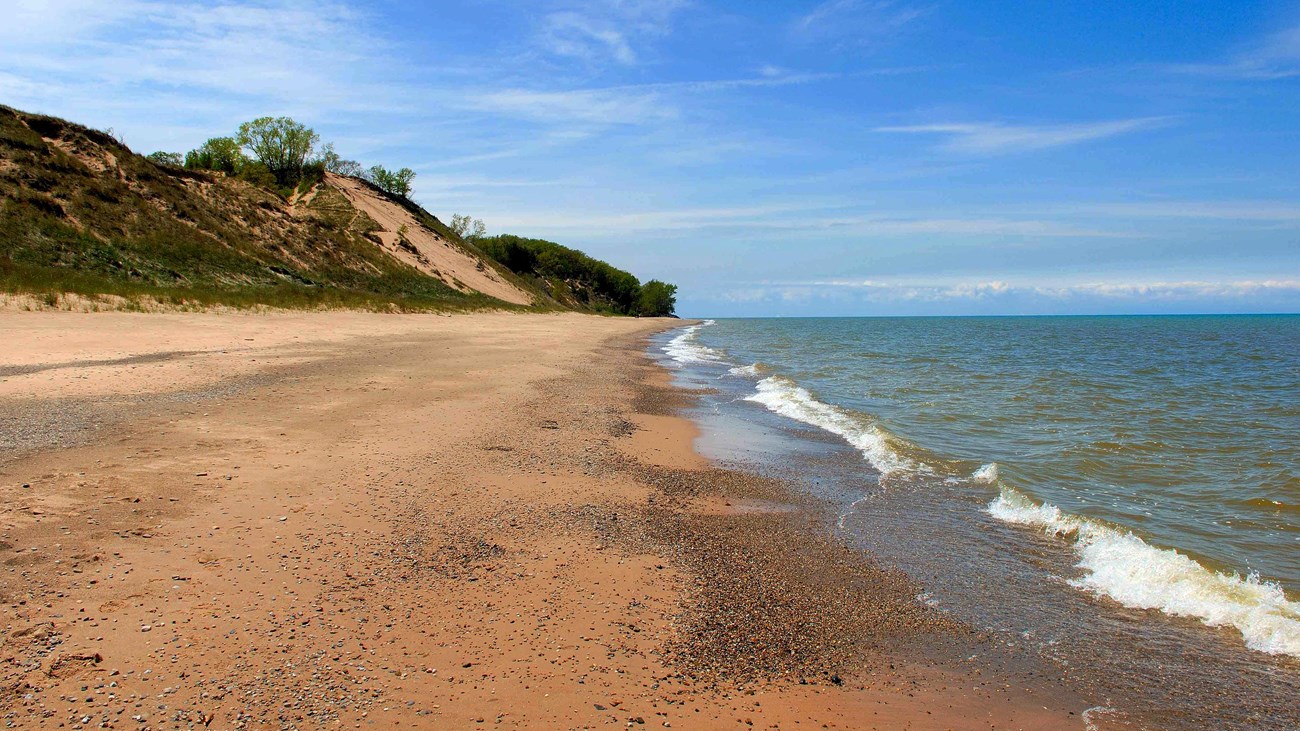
(423, 248)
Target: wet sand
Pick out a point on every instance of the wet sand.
(382, 521)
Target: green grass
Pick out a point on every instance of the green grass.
(89, 217)
(48, 285)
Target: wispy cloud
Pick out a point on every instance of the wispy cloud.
(621, 105)
(855, 22)
(125, 61)
(793, 219)
(584, 106)
(578, 36)
(607, 31)
(1263, 211)
(1275, 57)
(990, 138)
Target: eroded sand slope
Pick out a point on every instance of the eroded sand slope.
(424, 249)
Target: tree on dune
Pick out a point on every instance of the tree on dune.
(469, 229)
(335, 163)
(279, 143)
(397, 182)
(172, 159)
(218, 153)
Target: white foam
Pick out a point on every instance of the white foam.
(751, 371)
(686, 348)
(1122, 566)
(787, 398)
(1090, 720)
(986, 475)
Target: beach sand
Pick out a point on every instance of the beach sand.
(323, 520)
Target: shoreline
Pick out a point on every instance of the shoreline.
(407, 520)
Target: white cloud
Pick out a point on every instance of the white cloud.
(789, 219)
(610, 30)
(988, 138)
(571, 34)
(1265, 211)
(855, 22)
(129, 60)
(878, 225)
(983, 290)
(1275, 57)
(585, 106)
(632, 104)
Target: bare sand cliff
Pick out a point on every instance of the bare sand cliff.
(320, 520)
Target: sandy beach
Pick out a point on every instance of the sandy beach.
(318, 520)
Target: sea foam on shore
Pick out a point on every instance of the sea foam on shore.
(686, 347)
(787, 398)
(1120, 565)
(1116, 563)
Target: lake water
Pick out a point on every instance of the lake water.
(1120, 495)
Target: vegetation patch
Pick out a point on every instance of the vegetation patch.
(244, 220)
(572, 278)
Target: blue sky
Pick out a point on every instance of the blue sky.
(772, 158)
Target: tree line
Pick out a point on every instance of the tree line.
(280, 153)
(601, 285)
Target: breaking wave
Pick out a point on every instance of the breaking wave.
(1122, 566)
(687, 348)
(787, 398)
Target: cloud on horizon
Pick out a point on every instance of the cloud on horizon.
(1002, 297)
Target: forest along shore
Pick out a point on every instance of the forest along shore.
(289, 520)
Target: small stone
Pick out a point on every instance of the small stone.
(145, 627)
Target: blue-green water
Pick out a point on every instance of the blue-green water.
(1159, 454)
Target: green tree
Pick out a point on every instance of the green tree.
(468, 229)
(510, 251)
(334, 163)
(219, 153)
(279, 143)
(574, 277)
(657, 299)
(171, 159)
(256, 173)
(397, 182)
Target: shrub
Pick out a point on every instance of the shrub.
(257, 174)
(396, 182)
(219, 153)
(170, 159)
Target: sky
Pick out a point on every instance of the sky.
(845, 157)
